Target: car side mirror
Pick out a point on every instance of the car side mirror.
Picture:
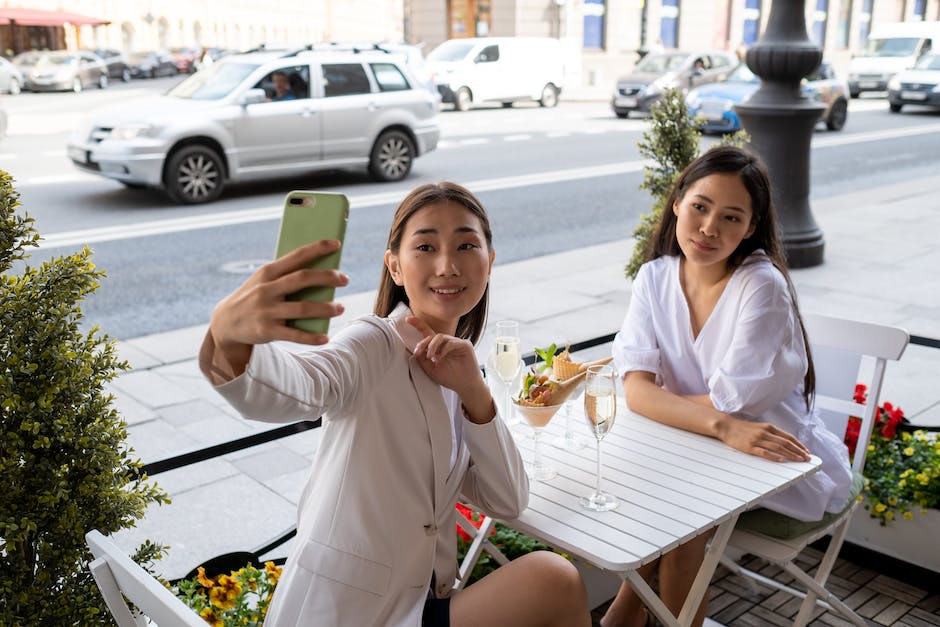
(253, 96)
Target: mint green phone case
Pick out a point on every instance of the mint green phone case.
(310, 217)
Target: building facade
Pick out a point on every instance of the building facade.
(605, 35)
(236, 24)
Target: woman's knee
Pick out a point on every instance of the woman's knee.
(558, 575)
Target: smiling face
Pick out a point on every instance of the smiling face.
(443, 263)
(712, 218)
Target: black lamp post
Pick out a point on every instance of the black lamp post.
(781, 122)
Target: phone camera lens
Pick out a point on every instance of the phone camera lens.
(296, 201)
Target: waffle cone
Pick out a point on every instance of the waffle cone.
(564, 368)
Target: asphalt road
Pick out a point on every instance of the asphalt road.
(551, 179)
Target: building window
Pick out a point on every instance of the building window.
(864, 24)
(920, 10)
(469, 18)
(669, 24)
(751, 22)
(820, 18)
(845, 20)
(594, 11)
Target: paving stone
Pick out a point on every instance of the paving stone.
(151, 389)
(215, 428)
(930, 604)
(271, 463)
(156, 439)
(923, 616)
(194, 476)
(190, 412)
(768, 617)
(719, 601)
(132, 411)
(859, 598)
(290, 485)
(776, 600)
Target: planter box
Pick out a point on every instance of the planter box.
(913, 541)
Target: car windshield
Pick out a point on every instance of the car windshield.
(891, 47)
(450, 51)
(928, 62)
(137, 57)
(26, 58)
(214, 82)
(55, 59)
(660, 63)
(742, 74)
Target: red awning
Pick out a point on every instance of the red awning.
(38, 17)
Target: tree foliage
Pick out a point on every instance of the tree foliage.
(65, 466)
(669, 145)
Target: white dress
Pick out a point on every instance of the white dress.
(748, 357)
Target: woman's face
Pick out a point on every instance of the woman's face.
(713, 218)
(443, 263)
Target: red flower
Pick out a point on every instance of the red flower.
(887, 419)
(475, 518)
(861, 393)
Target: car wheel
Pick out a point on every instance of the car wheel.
(392, 156)
(549, 96)
(125, 75)
(130, 185)
(194, 175)
(837, 115)
(895, 108)
(507, 104)
(102, 81)
(854, 94)
(13, 87)
(622, 114)
(463, 99)
(77, 85)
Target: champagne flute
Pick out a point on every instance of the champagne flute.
(600, 409)
(507, 361)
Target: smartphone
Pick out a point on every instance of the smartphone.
(310, 217)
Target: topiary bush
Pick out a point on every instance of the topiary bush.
(671, 143)
(65, 466)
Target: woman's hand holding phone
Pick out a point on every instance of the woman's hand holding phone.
(257, 312)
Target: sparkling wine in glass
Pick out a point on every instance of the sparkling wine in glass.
(507, 361)
(600, 409)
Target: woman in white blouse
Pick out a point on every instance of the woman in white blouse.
(713, 343)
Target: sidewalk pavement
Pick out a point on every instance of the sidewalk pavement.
(881, 265)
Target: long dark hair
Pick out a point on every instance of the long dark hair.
(753, 173)
(471, 324)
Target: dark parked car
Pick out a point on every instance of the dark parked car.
(151, 64)
(116, 62)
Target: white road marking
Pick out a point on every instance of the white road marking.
(260, 214)
(517, 138)
(58, 179)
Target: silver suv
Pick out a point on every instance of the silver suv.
(258, 115)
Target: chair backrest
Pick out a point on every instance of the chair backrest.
(846, 352)
(119, 578)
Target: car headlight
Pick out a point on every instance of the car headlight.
(894, 84)
(936, 88)
(132, 131)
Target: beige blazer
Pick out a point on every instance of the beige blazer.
(377, 516)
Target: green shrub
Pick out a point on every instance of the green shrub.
(671, 143)
(65, 467)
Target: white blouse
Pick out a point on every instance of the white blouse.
(748, 358)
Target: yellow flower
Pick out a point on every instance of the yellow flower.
(201, 577)
(274, 572)
(907, 473)
(909, 451)
(225, 593)
(871, 448)
(924, 479)
(902, 483)
(859, 498)
(889, 515)
(208, 615)
(880, 507)
(892, 500)
(908, 515)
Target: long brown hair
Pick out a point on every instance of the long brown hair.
(753, 174)
(471, 324)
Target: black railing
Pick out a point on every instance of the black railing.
(232, 561)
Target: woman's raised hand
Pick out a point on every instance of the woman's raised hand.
(451, 362)
(257, 312)
(764, 440)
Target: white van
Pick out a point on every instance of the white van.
(891, 48)
(498, 69)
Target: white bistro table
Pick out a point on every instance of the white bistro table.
(672, 486)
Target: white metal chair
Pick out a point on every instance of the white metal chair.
(479, 544)
(119, 578)
(844, 352)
